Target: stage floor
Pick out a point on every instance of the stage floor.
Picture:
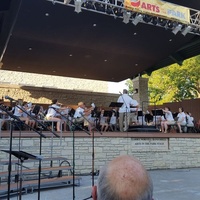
(32, 134)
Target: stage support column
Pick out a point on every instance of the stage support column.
(141, 85)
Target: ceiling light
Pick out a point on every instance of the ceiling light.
(137, 19)
(109, 10)
(88, 5)
(99, 7)
(162, 22)
(77, 4)
(66, 1)
(126, 17)
(177, 29)
(186, 30)
(154, 20)
(117, 11)
(147, 18)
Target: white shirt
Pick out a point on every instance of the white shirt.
(190, 120)
(51, 112)
(127, 101)
(79, 112)
(17, 111)
(134, 103)
(182, 117)
(103, 120)
(113, 119)
(169, 116)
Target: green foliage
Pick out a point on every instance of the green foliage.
(175, 83)
(129, 84)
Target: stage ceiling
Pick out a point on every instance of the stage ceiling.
(53, 39)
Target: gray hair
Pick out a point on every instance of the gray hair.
(106, 191)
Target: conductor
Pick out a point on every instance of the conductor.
(124, 110)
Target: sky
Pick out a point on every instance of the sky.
(116, 87)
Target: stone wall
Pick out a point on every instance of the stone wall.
(61, 82)
(154, 153)
(142, 96)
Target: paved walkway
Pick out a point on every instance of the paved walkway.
(178, 184)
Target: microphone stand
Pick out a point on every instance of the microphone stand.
(73, 145)
(92, 150)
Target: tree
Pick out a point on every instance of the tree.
(175, 83)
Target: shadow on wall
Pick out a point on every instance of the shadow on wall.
(68, 97)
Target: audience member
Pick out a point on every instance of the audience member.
(124, 178)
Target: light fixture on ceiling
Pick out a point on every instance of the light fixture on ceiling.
(177, 29)
(109, 10)
(66, 1)
(88, 5)
(78, 4)
(137, 19)
(186, 30)
(147, 18)
(118, 12)
(99, 7)
(126, 17)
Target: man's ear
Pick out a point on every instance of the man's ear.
(94, 192)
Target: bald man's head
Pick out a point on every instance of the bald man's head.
(124, 178)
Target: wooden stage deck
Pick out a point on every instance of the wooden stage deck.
(31, 134)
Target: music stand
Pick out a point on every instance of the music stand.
(22, 155)
(115, 104)
(157, 112)
(36, 109)
(107, 113)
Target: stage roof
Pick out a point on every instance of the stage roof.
(53, 39)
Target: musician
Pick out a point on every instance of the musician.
(134, 112)
(83, 115)
(113, 121)
(65, 117)
(103, 121)
(52, 114)
(18, 112)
